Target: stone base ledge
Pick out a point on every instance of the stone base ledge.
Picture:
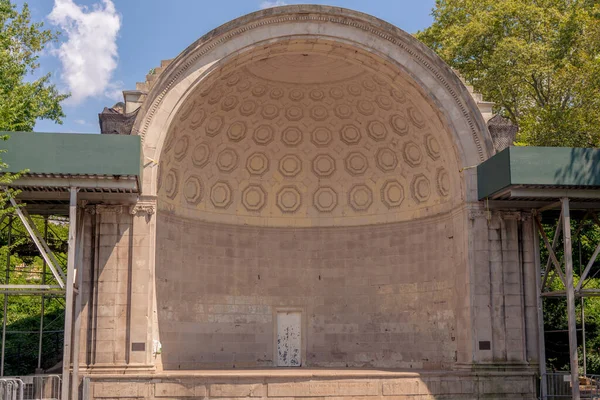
(291, 384)
(483, 367)
(117, 370)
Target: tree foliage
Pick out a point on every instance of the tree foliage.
(23, 99)
(538, 60)
(21, 263)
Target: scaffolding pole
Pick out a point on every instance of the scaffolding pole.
(5, 310)
(69, 294)
(568, 257)
(582, 300)
(540, 311)
(43, 304)
(77, 311)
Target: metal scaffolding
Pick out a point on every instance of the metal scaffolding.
(107, 169)
(562, 269)
(7, 289)
(59, 285)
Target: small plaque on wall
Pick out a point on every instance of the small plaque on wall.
(485, 345)
(138, 346)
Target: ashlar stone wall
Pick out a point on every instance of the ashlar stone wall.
(371, 296)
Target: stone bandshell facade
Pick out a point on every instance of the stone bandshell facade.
(312, 160)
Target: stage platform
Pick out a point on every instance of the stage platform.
(279, 384)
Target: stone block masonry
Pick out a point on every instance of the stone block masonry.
(376, 296)
(316, 385)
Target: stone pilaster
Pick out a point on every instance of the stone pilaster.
(480, 286)
(529, 287)
(107, 282)
(87, 290)
(142, 278)
(500, 287)
(118, 286)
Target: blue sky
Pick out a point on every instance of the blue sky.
(108, 45)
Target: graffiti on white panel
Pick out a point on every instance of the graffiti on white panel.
(289, 339)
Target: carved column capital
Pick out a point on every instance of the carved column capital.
(143, 206)
(526, 216)
(90, 210)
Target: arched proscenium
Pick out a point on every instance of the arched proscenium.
(381, 46)
(315, 157)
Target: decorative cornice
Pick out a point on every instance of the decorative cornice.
(478, 213)
(502, 215)
(108, 209)
(348, 21)
(514, 215)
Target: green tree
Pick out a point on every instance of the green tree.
(24, 312)
(538, 60)
(23, 100)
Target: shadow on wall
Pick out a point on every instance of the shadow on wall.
(110, 233)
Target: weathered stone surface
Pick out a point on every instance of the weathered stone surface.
(305, 174)
(222, 314)
(403, 387)
(237, 390)
(167, 389)
(319, 386)
(120, 390)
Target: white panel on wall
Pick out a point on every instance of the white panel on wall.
(289, 339)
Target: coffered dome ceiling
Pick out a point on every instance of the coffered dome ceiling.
(306, 139)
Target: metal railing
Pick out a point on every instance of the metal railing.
(559, 386)
(11, 389)
(31, 387)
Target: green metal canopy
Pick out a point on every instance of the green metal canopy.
(53, 162)
(72, 154)
(530, 173)
(101, 167)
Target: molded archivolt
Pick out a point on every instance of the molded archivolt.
(379, 46)
(308, 137)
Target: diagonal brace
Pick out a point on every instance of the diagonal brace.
(555, 240)
(43, 242)
(40, 243)
(589, 265)
(551, 252)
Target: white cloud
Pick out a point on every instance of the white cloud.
(89, 54)
(80, 122)
(274, 3)
(114, 91)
